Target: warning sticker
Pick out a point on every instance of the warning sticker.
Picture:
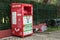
(27, 21)
(13, 17)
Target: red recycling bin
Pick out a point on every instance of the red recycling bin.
(22, 19)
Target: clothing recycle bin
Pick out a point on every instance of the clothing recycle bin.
(22, 19)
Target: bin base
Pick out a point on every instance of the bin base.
(23, 35)
(26, 35)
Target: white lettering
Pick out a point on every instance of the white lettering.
(16, 6)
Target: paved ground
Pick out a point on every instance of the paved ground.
(37, 36)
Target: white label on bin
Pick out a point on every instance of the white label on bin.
(27, 20)
(28, 32)
(18, 14)
(13, 17)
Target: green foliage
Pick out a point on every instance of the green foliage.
(4, 16)
(51, 29)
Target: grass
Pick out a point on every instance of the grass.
(50, 29)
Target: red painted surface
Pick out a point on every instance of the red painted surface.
(21, 10)
(5, 33)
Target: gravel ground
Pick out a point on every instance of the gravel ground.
(37, 36)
